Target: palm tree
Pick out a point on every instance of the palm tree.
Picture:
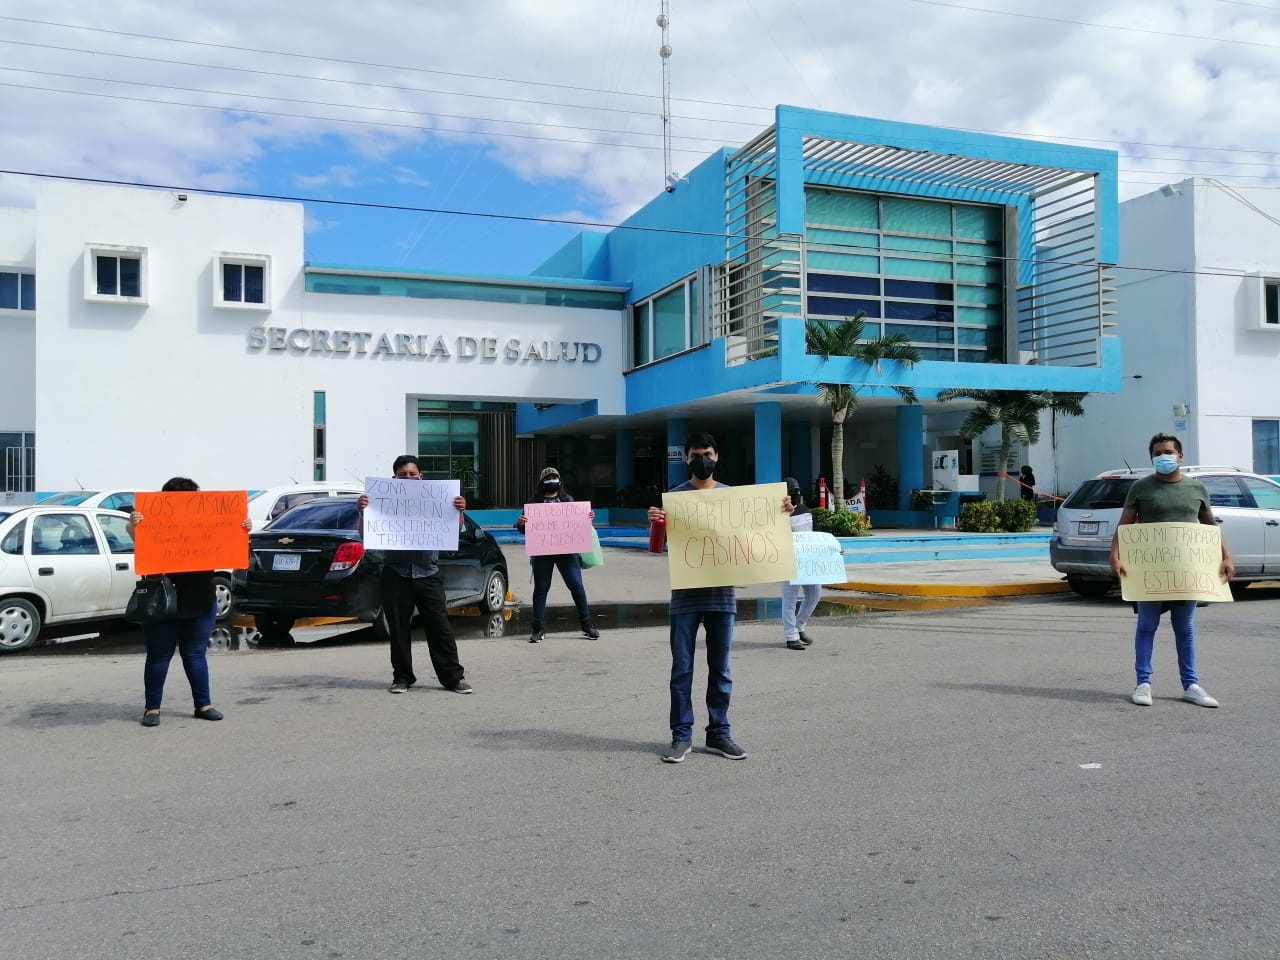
(1016, 413)
(842, 338)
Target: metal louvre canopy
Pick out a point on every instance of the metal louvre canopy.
(949, 171)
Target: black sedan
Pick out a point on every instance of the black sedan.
(310, 562)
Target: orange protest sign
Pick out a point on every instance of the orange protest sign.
(183, 532)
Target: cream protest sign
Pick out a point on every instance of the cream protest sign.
(1171, 561)
(728, 536)
(819, 558)
(406, 514)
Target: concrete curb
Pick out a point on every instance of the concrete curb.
(1034, 588)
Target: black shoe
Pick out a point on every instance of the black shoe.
(537, 635)
(806, 639)
(676, 753)
(398, 687)
(589, 629)
(150, 720)
(796, 645)
(726, 748)
(213, 713)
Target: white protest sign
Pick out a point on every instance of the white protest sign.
(818, 559)
(410, 514)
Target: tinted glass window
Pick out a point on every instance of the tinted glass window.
(331, 513)
(1224, 492)
(12, 542)
(63, 534)
(116, 530)
(1266, 495)
(1102, 494)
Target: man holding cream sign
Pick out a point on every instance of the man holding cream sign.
(715, 540)
(1167, 497)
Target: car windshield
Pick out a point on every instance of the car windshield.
(1104, 493)
(330, 513)
(72, 498)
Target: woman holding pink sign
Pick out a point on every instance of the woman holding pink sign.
(550, 490)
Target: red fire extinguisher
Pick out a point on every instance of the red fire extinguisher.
(658, 535)
(822, 493)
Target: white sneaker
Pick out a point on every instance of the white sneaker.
(1142, 695)
(1199, 696)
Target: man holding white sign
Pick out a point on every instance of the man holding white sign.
(1167, 497)
(409, 521)
(806, 595)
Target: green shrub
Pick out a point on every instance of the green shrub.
(922, 500)
(997, 516)
(882, 489)
(843, 523)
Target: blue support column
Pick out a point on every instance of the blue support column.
(910, 452)
(800, 462)
(624, 458)
(677, 472)
(768, 442)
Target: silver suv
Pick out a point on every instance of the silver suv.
(1245, 505)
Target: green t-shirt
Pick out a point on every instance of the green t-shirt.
(1159, 501)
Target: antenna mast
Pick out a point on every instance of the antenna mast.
(670, 177)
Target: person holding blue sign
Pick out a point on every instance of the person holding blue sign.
(804, 596)
(550, 490)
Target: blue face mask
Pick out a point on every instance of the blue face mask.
(1165, 463)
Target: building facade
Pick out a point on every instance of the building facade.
(1198, 295)
(157, 333)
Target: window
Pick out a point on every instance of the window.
(317, 436)
(17, 290)
(116, 530)
(1266, 447)
(19, 461)
(1224, 492)
(12, 543)
(1271, 303)
(935, 269)
(241, 281)
(115, 274)
(62, 534)
(667, 323)
(1265, 495)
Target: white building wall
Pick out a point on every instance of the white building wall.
(17, 327)
(129, 394)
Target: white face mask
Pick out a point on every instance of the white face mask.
(1165, 463)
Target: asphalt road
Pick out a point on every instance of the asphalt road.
(969, 781)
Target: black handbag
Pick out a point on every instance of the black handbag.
(154, 599)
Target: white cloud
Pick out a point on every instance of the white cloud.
(1190, 86)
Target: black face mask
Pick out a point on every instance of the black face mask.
(550, 486)
(702, 466)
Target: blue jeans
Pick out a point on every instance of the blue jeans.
(792, 622)
(684, 637)
(571, 571)
(1182, 614)
(190, 637)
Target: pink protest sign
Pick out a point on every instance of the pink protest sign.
(555, 527)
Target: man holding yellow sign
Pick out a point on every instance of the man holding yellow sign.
(717, 536)
(1167, 555)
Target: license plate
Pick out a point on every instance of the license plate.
(1087, 528)
(293, 561)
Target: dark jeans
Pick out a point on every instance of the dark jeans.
(684, 638)
(399, 597)
(571, 571)
(190, 637)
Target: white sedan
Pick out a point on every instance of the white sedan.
(62, 564)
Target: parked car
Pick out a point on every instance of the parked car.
(1245, 505)
(61, 564)
(121, 500)
(266, 505)
(310, 562)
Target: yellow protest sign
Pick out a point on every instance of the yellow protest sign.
(1171, 561)
(728, 536)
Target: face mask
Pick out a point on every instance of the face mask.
(550, 486)
(1165, 463)
(702, 466)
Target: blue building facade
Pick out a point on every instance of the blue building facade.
(989, 253)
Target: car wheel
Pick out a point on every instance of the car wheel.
(1238, 587)
(1089, 588)
(273, 626)
(222, 597)
(495, 591)
(19, 624)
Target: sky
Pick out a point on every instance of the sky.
(475, 137)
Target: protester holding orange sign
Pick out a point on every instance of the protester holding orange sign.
(187, 535)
